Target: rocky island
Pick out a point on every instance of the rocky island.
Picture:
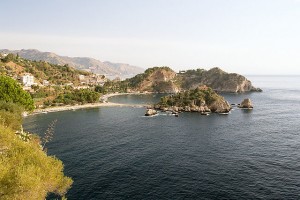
(202, 99)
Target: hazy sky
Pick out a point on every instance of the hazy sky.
(244, 36)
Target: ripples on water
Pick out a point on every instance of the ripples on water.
(116, 153)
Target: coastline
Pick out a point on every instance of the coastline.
(88, 105)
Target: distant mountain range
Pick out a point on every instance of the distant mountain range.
(109, 69)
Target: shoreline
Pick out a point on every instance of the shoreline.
(88, 105)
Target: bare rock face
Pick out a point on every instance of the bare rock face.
(158, 79)
(150, 112)
(220, 106)
(246, 103)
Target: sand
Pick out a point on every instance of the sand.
(89, 105)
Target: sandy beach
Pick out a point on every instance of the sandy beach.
(104, 98)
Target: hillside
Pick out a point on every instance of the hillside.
(164, 79)
(15, 67)
(84, 63)
(156, 79)
(26, 171)
(217, 79)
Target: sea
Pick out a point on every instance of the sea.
(118, 153)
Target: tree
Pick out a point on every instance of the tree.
(9, 57)
(99, 89)
(11, 91)
(11, 115)
(26, 172)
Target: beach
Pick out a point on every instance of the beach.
(104, 99)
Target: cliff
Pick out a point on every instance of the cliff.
(156, 79)
(217, 79)
(164, 79)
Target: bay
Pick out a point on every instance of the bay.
(117, 153)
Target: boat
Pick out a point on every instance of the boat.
(225, 113)
(204, 113)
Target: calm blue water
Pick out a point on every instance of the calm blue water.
(117, 153)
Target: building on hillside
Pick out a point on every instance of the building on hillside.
(3, 55)
(81, 87)
(81, 77)
(45, 83)
(28, 80)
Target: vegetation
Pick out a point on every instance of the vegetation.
(81, 96)
(41, 70)
(26, 172)
(135, 81)
(11, 91)
(197, 97)
(114, 86)
(10, 115)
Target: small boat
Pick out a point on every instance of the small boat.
(225, 113)
(204, 113)
(176, 115)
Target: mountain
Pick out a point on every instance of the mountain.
(111, 70)
(164, 79)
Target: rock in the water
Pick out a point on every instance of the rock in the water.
(220, 106)
(246, 103)
(150, 112)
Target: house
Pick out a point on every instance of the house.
(3, 55)
(45, 83)
(81, 77)
(28, 80)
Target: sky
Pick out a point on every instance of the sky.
(249, 37)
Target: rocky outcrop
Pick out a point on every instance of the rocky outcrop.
(202, 100)
(217, 79)
(246, 103)
(156, 79)
(220, 106)
(150, 112)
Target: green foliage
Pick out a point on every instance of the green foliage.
(11, 91)
(26, 172)
(9, 57)
(56, 74)
(135, 81)
(191, 97)
(99, 89)
(77, 96)
(41, 70)
(162, 86)
(115, 86)
(11, 115)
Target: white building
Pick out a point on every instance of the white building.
(81, 77)
(28, 80)
(45, 83)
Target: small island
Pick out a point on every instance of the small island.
(202, 99)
